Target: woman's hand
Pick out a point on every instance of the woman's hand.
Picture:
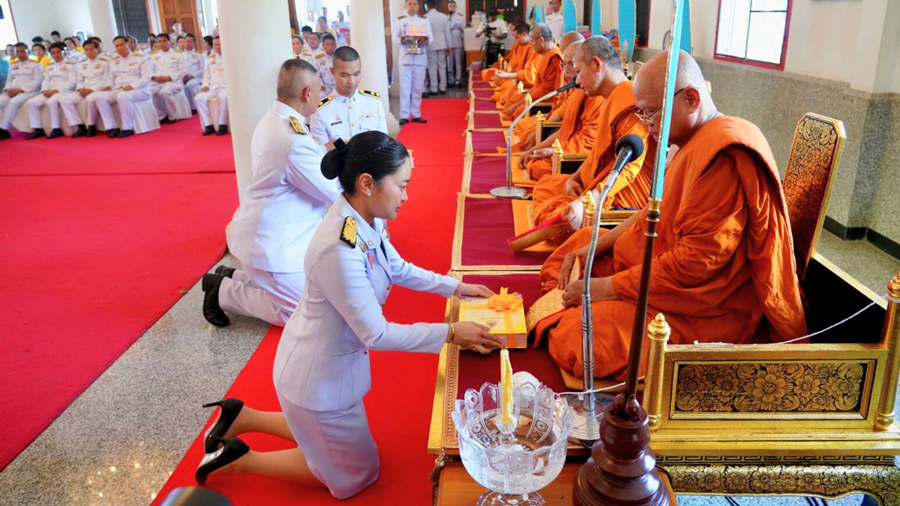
(467, 290)
(476, 337)
(601, 289)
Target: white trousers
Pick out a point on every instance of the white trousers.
(338, 446)
(163, 98)
(437, 70)
(201, 101)
(36, 103)
(412, 83)
(69, 104)
(9, 107)
(125, 99)
(269, 296)
(191, 88)
(455, 65)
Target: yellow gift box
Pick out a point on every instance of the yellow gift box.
(504, 313)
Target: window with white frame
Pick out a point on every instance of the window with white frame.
(753, 31)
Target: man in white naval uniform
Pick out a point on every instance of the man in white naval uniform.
(457, 43)
(280, 209)
(61, 78)
(93, 72)
(73, 55)
(347, 111)
(555, 20)
(412, 66)
(23, 82)
(169, 68)
(129, 82)
(301, 50)
(439, 49)
(324, 63)
(213, 86)
(193, 72)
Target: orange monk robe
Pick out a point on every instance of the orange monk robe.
(518, 54)
(527, 126)
(526, 75)
(632, 188)
(577, 133)
(723, 260)
(549, 76)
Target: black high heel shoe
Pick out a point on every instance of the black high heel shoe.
(233, 449)
(231, 408)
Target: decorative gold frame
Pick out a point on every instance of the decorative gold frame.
(468, 161)
(456, 258)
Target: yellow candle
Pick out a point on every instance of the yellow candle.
(506, 388)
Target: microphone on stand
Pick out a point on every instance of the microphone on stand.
(509, 191)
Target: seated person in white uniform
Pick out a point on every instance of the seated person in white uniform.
(129, 82)
(24, 81)
(59, 79)
(321, 370)
(93, 72)
(193, 74)
(280, 209)
(169, 68)
(213, 86)
(348, 110)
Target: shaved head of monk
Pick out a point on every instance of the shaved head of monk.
(568, 39)
(569, 62)
(693, 106)
(541, 38)
(598, 66)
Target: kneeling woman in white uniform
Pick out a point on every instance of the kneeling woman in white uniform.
(322, 366)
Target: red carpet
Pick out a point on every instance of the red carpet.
(90, 262)
(399, 405)
(174, 149)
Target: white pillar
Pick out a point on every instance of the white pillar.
(367, 37)
(103, 17)
(250, 72)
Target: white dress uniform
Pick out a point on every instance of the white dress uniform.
(556, 24)
(457, 43)
(214, 79)
(324, 63)
(339, 27)
(194, 65)
(60, 76)
(92, 75)
(279, 213)
(23, 75)
(437, 50)
(321, 370)
(132, 70)
(169, 64)
(75, 57)
(412, 66)
(307, 55)
(343, 117)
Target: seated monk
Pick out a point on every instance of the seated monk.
(578, 130)
(600, 74)
(517, 55)
(548, 77)
(525, 129)
(723, 261)
(523, 68)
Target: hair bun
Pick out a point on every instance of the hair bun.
(332, 163)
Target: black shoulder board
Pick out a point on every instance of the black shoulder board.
(325, 101)
(370, 93)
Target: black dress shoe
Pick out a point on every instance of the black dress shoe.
(233, 450)
(403, 121)
(165, 121)
(4, 134)
(193, 112)
(223, 129)
(231, 408)
(209, 131)
(81, 132)
(38, 133)
(226, 271)
(91, 131)
(55, 134)
(173, 121)
(125, 133)
(420, 120)
(112, 134)
(211, 309)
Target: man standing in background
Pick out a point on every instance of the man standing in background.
(457, 32)
(555, 20)
(439, 49)
(409, 28)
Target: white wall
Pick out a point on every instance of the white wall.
(40, 17)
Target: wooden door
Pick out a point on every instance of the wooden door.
(181, 11)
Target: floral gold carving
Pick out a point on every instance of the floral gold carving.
(770, 387)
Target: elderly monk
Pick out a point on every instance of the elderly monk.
(519, 54)
(549, 74)
(523, 68)
(723, 268)
(525, 129)
(578, 129)
(600, 74)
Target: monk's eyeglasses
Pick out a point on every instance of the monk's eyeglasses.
(648, 118)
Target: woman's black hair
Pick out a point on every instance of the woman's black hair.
(374, 153)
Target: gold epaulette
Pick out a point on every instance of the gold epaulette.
(348, 232)
(297, 126)
(103, 58)
(14, 60)
(116, 56)
(211, 55)
(138, 53)
(154, 51)
(370, 93)
(320, 55)
(324, 101)
(179, 51)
